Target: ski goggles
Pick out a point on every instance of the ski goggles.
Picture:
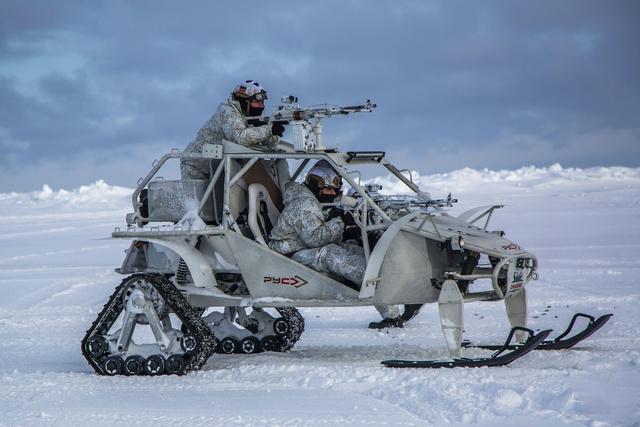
(260, 96)
(335, 182)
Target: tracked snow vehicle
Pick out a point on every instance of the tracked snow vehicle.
(201, 278)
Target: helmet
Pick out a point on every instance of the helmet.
(251, 97)
(322, 175)
(250, 89)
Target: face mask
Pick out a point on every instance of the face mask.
(326, 198)
(255, 111)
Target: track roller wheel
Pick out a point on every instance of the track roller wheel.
(112, 365)
(154, 365)
(250, 345)
(189, 343)
(133, 365)
(271, 343)
(96, 346)
(229, 345)
(175, 365)
(281, 326)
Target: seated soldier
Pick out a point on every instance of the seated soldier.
(315, 238)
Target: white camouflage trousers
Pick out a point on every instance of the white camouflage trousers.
(346, 261)
(342, 259)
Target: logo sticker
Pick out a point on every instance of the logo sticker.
(295, 281)
(518, 276)
(515, 288)
(511, 247)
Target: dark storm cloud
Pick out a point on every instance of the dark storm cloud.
(491, 84)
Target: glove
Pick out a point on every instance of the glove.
(277, 128)
(345, 216)
(334, 213)
(351, 233)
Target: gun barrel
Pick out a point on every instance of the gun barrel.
(361, 107)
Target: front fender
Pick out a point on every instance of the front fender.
(199, 267)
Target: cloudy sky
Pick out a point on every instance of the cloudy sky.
(98, 89)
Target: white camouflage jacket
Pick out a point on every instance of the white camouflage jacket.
(301, 224)
(228, 123)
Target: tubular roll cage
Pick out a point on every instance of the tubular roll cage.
(339, 161)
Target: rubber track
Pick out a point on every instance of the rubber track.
(189, 316)
(296, 326)
(177, 303)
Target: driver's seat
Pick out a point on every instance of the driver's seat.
(262, 213)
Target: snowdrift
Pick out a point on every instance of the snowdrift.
(101, 195)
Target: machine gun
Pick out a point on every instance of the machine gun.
(399, 201)
(290, 110)
(307, 136)
(403, 202)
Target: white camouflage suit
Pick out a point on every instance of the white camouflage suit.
(303, 233)
(228, 123)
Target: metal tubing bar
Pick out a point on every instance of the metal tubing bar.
(424, 220)
(225, 205)
(356, 187)
(486, 224)
(394, 170)
(298, 171)
(435, 227)
(458, 276)
(156, 166)
(126, 332)
(534, 268)
(483, 270)
(494, 277)
(156, 326)
(287, 156)
(242, 171)
(376, 227)
(363, 231)
(169, 233)
(209, 190)
(479, 217)
(422, 223)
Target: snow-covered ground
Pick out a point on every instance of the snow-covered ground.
(56, 265)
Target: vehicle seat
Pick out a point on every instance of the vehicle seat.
(262, 213)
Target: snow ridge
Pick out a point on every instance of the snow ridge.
(98, 195)
(528, 176)
(104, 196)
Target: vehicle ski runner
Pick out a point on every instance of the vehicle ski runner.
(201, 275)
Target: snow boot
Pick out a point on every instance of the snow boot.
(387, 322)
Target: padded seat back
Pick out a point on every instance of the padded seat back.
(262, 213)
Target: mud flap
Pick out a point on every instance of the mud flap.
(450, 307)
(516, 306)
